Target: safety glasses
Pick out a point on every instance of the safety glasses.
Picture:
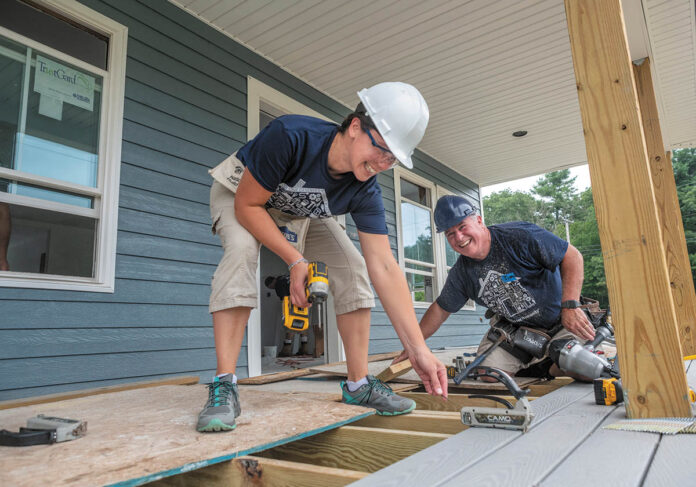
(387, 156)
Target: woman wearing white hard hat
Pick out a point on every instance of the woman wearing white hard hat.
(281, 190)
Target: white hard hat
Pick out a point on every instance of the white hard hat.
(400, 114)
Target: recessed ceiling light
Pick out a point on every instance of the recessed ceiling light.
(519, 133)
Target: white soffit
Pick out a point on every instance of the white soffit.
(486, 68)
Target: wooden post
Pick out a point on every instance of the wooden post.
(648, 344)
(665, 190)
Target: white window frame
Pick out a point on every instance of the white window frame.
(261, 96)
(105, 194)
(440, 268)
(399, 174)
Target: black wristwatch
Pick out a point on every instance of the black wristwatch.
(571, 304)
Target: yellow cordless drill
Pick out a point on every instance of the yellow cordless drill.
(317, 289)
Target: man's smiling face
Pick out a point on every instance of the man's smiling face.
(470, 237)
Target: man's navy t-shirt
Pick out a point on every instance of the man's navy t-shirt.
(290, 158)
(520, 278)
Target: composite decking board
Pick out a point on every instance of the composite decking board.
(453, 455)
(674, 461)
(628, 454)
(153, 434)
(530, 457)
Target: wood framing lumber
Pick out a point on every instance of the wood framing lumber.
(186, 380)
(454, 402)
(276, 377)
(355, 448)
(647, 334)
(446, 422)
(254, 471)
(665, 189)
(395, 370)
(292, 374)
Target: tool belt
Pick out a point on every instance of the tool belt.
(522, 342)
(525, 343)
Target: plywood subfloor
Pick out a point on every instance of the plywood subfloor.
(445, 356)
(140, 435)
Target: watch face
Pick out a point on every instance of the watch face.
(570, 304)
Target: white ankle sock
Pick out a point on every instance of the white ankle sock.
(234, 377)
(353, 386)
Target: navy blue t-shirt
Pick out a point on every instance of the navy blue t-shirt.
(520, 278)
(290, 158)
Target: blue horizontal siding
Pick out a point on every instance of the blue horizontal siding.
(184, 111)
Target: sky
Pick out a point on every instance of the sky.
(581, 183)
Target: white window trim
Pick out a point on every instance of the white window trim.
(110, 140)
(399, 173)
(258, 95)
(439, 240)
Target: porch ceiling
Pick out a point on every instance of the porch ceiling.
(486, 68)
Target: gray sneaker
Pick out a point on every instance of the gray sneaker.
(222, 406)
(376, 394)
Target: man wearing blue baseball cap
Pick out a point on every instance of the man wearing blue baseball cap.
(526, 276)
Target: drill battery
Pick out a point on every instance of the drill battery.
(608, 391)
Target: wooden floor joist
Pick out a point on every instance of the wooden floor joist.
(267, 472)
(454, 402)
(445, 422)
(355, 448)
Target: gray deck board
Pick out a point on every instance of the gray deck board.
(673, 463)
(453, 455)
(563, 446)
(531, 457)
(628, 453)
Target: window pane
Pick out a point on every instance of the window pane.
(46, 242)
(59, 135)
(417, 234)
(416, 193)
(421, 287)
(450, 254)
(13, 187)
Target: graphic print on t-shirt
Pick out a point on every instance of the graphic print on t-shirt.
(504, 294)
(300, 201)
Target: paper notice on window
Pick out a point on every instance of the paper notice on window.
(63, 83)
(50, 107)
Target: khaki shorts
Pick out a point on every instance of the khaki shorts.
(501, 359)
(234, 282)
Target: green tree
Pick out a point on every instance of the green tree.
(557, 190)
(507, 205)
(684, 163)
(584, 234)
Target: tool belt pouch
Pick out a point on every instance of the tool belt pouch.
(533, 342)
(509, 330)
(228, 172)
